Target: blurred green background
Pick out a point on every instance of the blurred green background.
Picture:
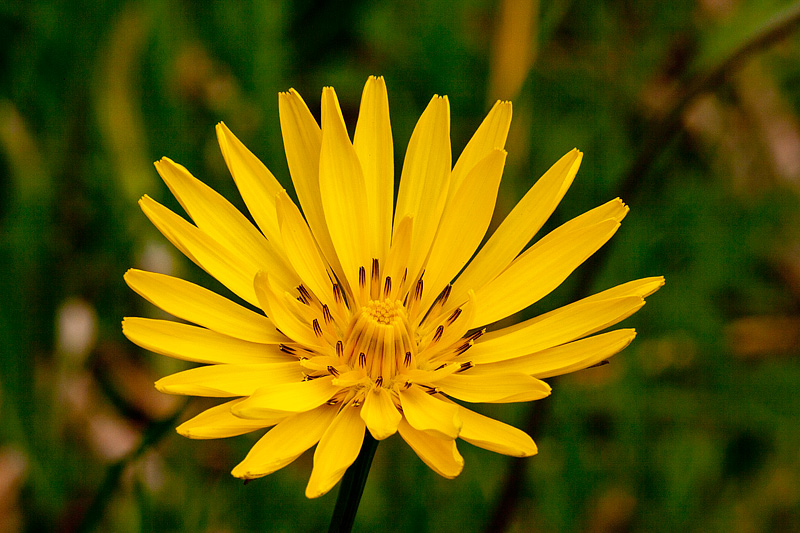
(695, 427)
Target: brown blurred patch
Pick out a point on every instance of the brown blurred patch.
(613, 511)
(763, 336)
(132, 383)
(776, 126)
(751, 135)
(13, 471)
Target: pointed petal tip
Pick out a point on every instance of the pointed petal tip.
(314, 492)
(532, 452)
(160, 387)
(381, 436)
(244, 474)
(320, 487)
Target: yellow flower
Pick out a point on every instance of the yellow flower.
(373, 318)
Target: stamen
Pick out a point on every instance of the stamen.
(304, 293)
(339, 349)
(444, 295)
(465, 366)
(332, 401)
(362, 359)
(338, 296)
(407, 359)
(287, 349)
(333, 371)
(413, 300)
(463, 348)
(440, 367)
(387, 287)
(326, 314)
(475, 335)
(379, 381)
(362, 277)
(452, 318)
(438, 334)
(317, 328)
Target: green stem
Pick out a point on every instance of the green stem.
(344, 514)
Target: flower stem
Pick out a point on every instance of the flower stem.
(344, 514)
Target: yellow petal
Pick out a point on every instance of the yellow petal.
(278, 305)
(288, 397)
(256, 183)
(302, 140)
(519, 227)
(191, 343)
(562, 325)
(341, 184)
(639, 288)
(441, 455)
(464, 223)
(230, 380)
(397, 260)
(429, 414)
(380, 414)
(563, 359)
(425, 180)
(494, 388)
(490, 135)
(285, 442)
(542, 268)
(218, 423)
(336, 451)
(221, 221)
(373, 144)
(495, 436)
(194, 303)
(301, 249)
(230, 269)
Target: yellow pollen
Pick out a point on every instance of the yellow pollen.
(384, 311)
(378, 340)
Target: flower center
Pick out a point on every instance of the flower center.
(379, 339)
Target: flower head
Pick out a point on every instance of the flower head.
(370, 314)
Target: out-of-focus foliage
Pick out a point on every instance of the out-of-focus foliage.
(695, 427)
